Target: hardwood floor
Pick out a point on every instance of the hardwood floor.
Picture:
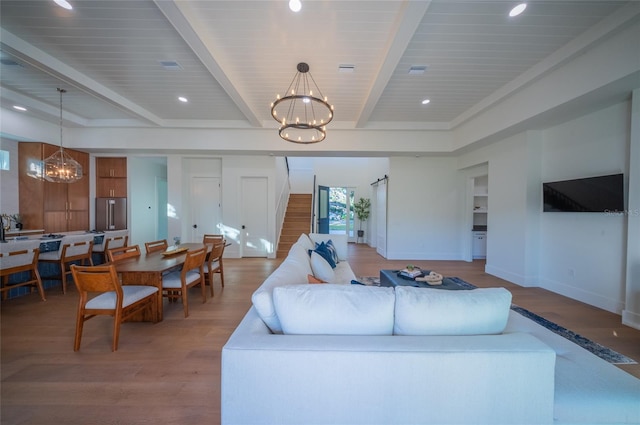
(169, 372)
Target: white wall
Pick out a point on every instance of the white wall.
(584, 253)
(631, 312)
(282, 191)
(144, 212)
(581, 255)
(424, 209)
(9, 199)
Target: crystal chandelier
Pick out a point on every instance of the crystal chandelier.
(303, 112)
(61, 167)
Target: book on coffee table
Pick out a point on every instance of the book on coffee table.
(411, 273)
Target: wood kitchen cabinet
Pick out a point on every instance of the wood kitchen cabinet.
(111, 177)
(54, 207)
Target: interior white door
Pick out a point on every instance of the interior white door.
(381, 218)
(255, 236)
(205, 207)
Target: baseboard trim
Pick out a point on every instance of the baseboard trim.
(587, 297)
(631, 319)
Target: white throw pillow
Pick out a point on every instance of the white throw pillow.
(334, 309)
(321, 268)
(425, 311)
(305, 241)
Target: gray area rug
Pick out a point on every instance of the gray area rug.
(599, 350)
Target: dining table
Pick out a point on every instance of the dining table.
(148, 269)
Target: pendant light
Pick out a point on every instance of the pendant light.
(61, 167)
(302, 113)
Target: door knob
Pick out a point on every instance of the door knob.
(195, 226)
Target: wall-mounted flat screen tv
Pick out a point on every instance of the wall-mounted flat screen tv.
(592, 194)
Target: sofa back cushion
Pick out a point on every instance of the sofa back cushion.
(424, 311)
(293, 270)
(305, 241)
(334, 309)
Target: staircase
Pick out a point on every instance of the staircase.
(297, 220)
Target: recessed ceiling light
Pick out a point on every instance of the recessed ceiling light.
(63, 3)
(426, 101)
(183, 99)
(518, 9)
(295, 5)
(19, 108)
(417, 69)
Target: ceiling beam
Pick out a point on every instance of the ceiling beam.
(187, 24)
(63, 72)
(405, 26)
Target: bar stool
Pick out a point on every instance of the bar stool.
(73, 249)
(114, 239)
(18, 259)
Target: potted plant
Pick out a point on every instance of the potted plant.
(17, 218)
(362, 210)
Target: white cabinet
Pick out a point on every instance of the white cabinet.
(479, 245)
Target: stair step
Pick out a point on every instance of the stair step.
(297, 220)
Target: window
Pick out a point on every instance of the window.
(4, 160)
(341, 215)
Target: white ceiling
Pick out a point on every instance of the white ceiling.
(237, 55)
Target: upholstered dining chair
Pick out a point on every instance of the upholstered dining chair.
(120, 253)
(214, 264)
(156, 246)
(113, 299)
(73, 249)
(176, 284)
(18, 260)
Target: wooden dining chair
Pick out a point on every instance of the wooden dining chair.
(211, 239)
(214, 264)
(74, 249)
(123, 252)
(113, 299)
(156, 246)
(18, 261)
(176, 284)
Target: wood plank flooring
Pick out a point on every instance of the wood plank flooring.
(169, 372)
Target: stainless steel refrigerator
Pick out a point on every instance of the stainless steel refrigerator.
(111, 214)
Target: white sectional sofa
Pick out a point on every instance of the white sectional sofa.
(336, 368)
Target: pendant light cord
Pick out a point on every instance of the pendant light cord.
(61, 91)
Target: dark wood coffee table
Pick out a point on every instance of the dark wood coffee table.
(391, 278)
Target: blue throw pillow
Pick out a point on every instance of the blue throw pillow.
(324, 252)
(334, 252)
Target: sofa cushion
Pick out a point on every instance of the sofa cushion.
(425, 311)
(305, 241)
(293, 270)
(313, 279)
(343, 273)
(325, 253)
(321, 268)
(334, 309)
(339, 241)
(332, 249)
